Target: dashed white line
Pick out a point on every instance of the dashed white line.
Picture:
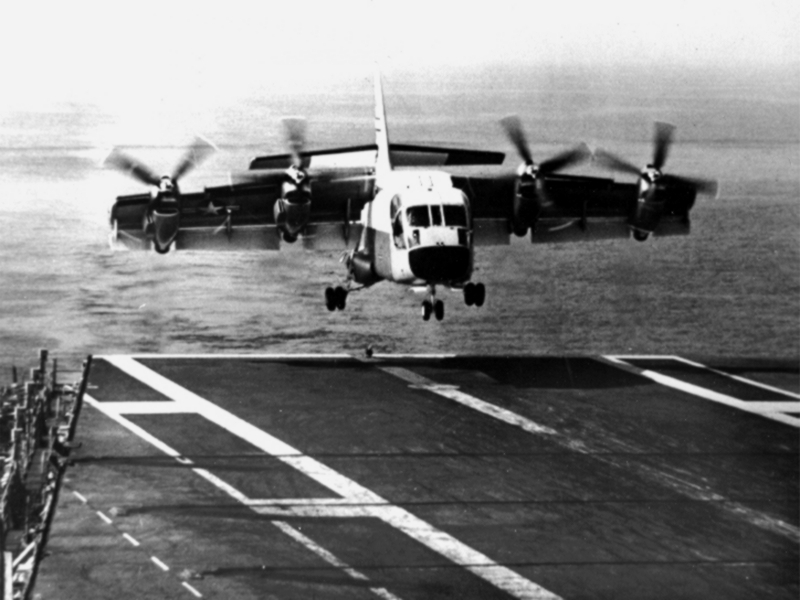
(80, 497)
(191, 589)
(159, 564)
(105, 518)
(440, 542)
(131, 539)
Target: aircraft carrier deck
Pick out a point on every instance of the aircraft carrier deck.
(411, 477)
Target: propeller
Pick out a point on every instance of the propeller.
(163, 213)
(193, 156)
(515, 133)
(662, 141)
(295, 132)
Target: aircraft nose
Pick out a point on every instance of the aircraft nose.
(440, 264)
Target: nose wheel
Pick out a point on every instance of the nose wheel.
(474, 294)
(335, 298)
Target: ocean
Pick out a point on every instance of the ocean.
(730, 289)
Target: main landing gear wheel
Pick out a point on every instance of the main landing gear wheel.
(435, 307)
(335, 298)
(474, 294)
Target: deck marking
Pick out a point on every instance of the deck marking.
(191, 589)
(371, 503)
(678, 484)
(729, 375)
(80, 497)
(131, 539)
(105, 518)
(159, 564)
(453, 393)
(707, 394)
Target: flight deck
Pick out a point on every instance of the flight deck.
(419, 477)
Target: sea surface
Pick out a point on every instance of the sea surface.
(730, 289)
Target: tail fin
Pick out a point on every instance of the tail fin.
(383, 164)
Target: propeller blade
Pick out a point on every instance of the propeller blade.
(513, 127)
(703, 186)
(295, 130)
(117, 159)
(610, 161)
(662, 141)
(565, 159)
(195, 154)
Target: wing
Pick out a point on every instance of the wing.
(240, 216)
(583, 209)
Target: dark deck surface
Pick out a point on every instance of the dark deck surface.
(411, 478)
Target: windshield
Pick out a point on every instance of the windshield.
(455, 216)
(418, 216)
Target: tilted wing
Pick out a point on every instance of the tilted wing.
(583, 208)
(240, 216)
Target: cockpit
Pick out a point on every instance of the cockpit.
(435, 222)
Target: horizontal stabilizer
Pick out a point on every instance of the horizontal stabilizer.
(402, 155)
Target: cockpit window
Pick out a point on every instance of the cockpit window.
(455, 216)
(418, 216)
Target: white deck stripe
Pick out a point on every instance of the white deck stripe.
(131, 539)
(80, 497)
(438, 541)
(739, 378)
(452, 393)
(328, 557)
(105, 518)
(685, 488)
(192, 590)
(159, 564)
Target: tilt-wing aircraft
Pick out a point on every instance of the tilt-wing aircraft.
(396, 211)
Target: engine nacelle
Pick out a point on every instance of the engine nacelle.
(525, 208)
(166, 223)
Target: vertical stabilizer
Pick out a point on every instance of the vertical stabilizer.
(383, 164)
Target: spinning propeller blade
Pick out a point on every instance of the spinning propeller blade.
(513, 127)
(194, 155)
(661, 143)
(117, 159)
(615, 163)
(565, 159)
(295, 131)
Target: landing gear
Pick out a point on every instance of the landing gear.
(289, 238)
(432, 307)
(335, 298)
(640, 236)
(474, 294)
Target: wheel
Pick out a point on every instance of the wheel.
(438, 310)
(480, 294)
(330, 299)
(640, 236)
(469, 294)
(340, 295)
(289, 238)
(427, 309)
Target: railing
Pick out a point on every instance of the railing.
(38, 420)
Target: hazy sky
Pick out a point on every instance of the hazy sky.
(145, 52)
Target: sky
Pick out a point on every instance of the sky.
(150, 52)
